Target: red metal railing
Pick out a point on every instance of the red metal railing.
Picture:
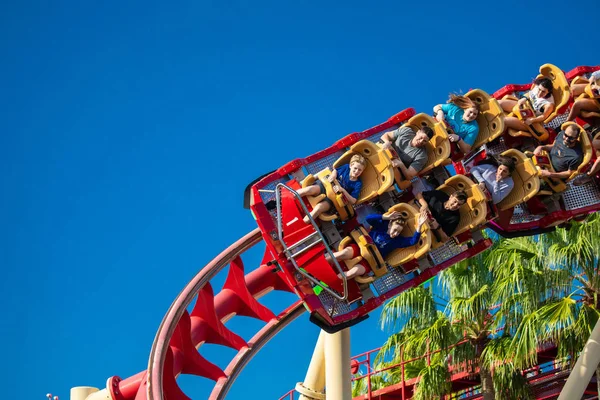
(537, 376)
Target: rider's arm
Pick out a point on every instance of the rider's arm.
(547, 111)
(558, 175)
(388, 138)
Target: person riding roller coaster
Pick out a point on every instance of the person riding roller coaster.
(460, 113)
(348, 176)
(542, 102)
(410, 148)
(591, 103)
(565, 153)
(494, 177)
(385, 233)
(442, 210)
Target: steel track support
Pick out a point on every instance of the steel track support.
(338, 378)
(314, 383)
(584, 368)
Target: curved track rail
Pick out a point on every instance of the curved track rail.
(181, 333)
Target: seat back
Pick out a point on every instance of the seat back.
(401, 256)
(378, 175)
(490, 118)
(473, 212)
(342, 209)
(525, 177)
(560, 88)
(438, 147)
(368, 251)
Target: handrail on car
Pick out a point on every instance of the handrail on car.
(289, 254)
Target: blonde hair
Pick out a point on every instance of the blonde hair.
(357, 158)
(462, 101)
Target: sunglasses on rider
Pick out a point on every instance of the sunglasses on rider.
(571, 138)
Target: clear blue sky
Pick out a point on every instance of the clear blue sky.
(130, 129)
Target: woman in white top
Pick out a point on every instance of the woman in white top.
(542, 103)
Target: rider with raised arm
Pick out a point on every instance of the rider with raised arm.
(443, 209)
(385, 232)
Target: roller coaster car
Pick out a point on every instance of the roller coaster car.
(472, 213)
(342, 208)
(590, 92)
(378, 176)
(543, 161)
(438, 147)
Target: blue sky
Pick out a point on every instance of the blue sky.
(130, 130)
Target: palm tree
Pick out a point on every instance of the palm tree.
(503, 305)
(567, 307)
(464, 316)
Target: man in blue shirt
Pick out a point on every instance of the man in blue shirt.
(350, 185)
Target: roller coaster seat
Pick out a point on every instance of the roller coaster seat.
(378, 175)
(401, 256)
(589, 93)
(368, 253)
(537, 130)
(526, 179)
(342, 208)
(490, 118)
(561, 91)
(543, 162)
(473, 212)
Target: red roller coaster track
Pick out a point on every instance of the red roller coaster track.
(174, 350)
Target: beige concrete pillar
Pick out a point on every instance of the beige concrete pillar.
(82, 392)
(338, 379)
(584, 368)
(314, 383)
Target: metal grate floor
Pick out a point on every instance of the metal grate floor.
(521, 215)
(394, 278)
(576, 197)
(445, 252)
(332, 305)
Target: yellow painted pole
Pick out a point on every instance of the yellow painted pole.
(314, 383)
(584, 368)
(338, 378)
